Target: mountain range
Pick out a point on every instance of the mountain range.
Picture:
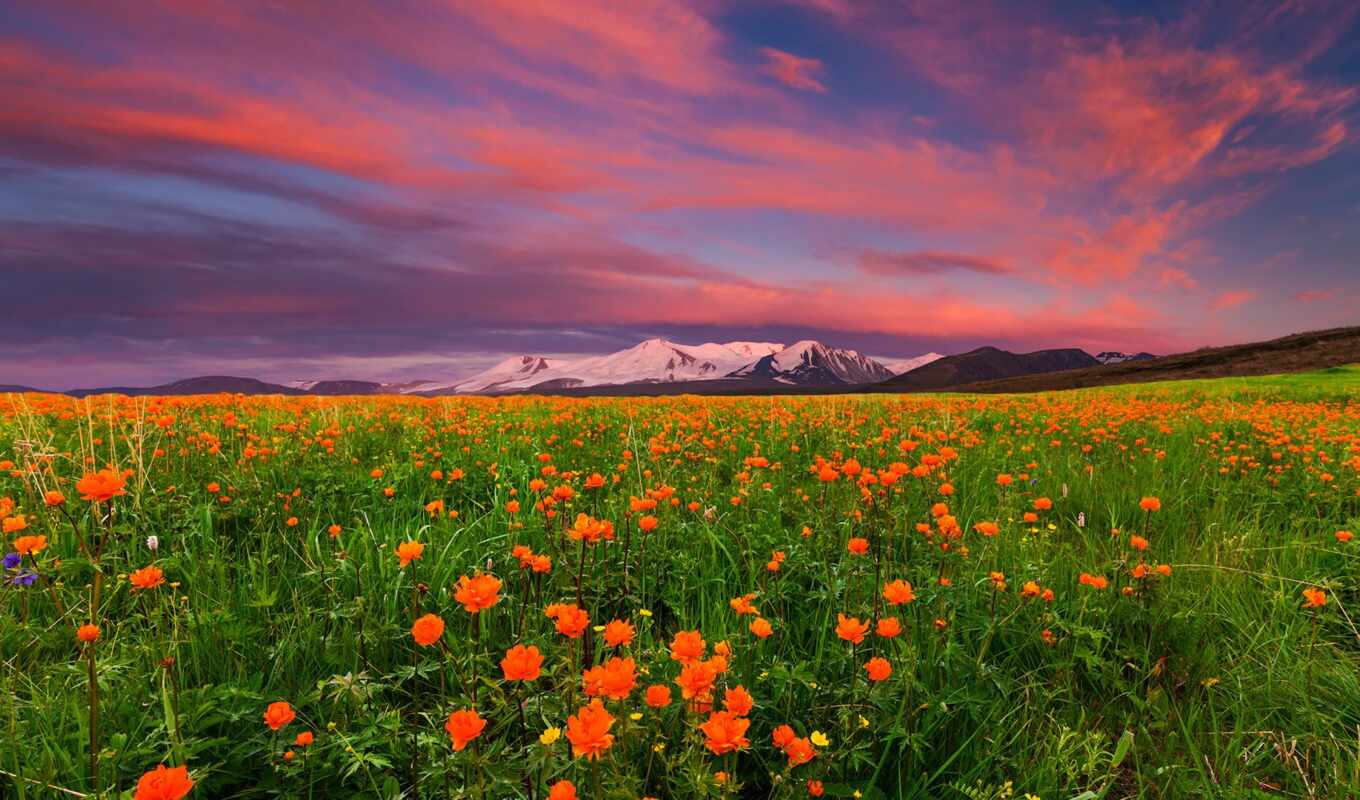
(660, 366)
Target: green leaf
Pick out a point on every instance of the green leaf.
(1122, 748)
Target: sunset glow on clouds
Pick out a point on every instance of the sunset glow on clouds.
(400, 191)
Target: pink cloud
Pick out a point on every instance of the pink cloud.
(792, 70)
(1231, 298)
(928, 262)
(1178, 278)
(1315, 295)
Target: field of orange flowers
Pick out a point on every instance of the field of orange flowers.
(1119, 593)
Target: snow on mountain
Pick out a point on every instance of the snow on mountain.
(652, 361)
(751, 350)
(897, 366)
(410, 387)
(811, 363)
(504, 376)
(1115, 357)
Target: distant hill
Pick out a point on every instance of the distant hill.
(15, 389)
(1299, 352)
(208, 384)
(985, 364)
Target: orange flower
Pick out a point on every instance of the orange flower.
(88, 633)
(427, 630)
(696, 679)
(304, 739)
(588, 730)
(738, 701)
(478, 593)
(522, 663)
(570, 620)
(888, 627)
(1030, 590)
(799, 751)
(29, 545)
(851, 629)
(409, 551)
(14, 524)
(815, 789)
(1344, 536)
(725, 732)
(658, 696)
(562, 790)
(1042, 504)
(782, 735)
(761, 627)
(647, 524)
(146, 578)
(278, 714)
(1138, 543)
(164, 783)
(54, 498)
(100, 486)
(858, 546)
(619, 632)
(463, 726)
(878, 668)
(1314, 598)
(614, 679)
(333, 530)
(743, 605)
(1094, 581)
(1150, 504)
(898, 592)
(687, 646)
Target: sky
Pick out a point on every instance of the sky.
(414, 190)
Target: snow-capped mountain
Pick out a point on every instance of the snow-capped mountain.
(652, 361)
(350, 387)
(811, 363)
(897, 366)
(508, 374)
(1115, 357)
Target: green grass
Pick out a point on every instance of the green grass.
(1211, 682)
